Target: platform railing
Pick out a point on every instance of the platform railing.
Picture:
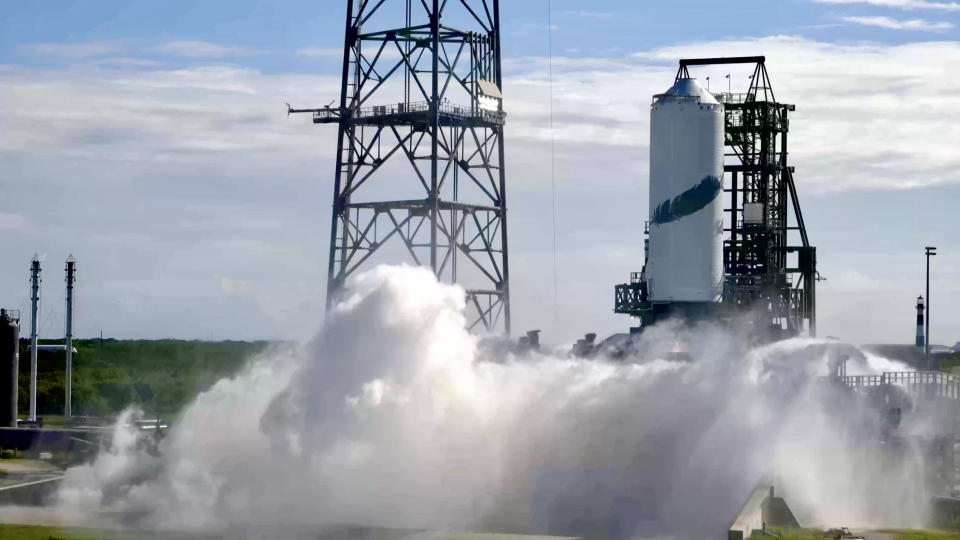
(446, 109)
(944, 385)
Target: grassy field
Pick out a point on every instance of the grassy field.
(896, 534)
(949, 363)
(900, 534)
(108, 375)
(32, 532)
(39, 532)
(29, 532)
(797, 534)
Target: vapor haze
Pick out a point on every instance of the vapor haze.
(395, 416)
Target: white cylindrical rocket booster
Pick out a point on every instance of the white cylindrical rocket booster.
(686, 181)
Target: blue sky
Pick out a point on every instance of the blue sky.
(149, 139)
(272, 32)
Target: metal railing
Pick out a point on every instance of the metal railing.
(941, 384)
(733, 99)
(445, 109)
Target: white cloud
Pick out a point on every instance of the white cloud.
(141, 141)
(129, 62)
(529, 28)
(389, 55)
(12, 223)
(918, 25)
(201, 49)
(893, 130)
(903, 4)
(148, 115)
(859, 124)
(234, 286)
(589, 14)
(321, 52)
(71, 51)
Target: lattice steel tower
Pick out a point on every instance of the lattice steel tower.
(420, 161)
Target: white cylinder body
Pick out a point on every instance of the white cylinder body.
(686, 208)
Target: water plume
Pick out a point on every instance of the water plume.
(396, 416)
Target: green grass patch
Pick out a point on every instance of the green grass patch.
(796, 534)
(42, 532)
(948, 363)
(905, 534)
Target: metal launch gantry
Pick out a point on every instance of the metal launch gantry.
(425, 91)
(764, 266)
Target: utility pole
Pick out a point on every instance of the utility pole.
(71, 269)
(34, 316)
(930, 252)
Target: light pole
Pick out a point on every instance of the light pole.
(930, 252)
(34, 329)
(71, 278)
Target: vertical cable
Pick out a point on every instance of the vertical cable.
(553, 181)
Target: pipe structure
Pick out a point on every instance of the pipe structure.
(34, 316)
(71, 270)
(9, 365)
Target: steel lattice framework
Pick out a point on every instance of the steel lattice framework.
(760, 264)
(421, 118)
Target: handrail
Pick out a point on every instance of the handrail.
(947, 383)
(415, 107)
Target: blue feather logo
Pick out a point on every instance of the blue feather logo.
(688, 202)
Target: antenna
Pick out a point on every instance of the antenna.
(553, 151)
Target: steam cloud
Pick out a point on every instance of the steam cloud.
(395, 416)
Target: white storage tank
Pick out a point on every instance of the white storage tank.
(685, 262)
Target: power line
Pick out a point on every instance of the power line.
(553, 180)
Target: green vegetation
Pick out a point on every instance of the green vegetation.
(900, 534)
(948, 363)
(42, 532)
(897, 534)
(795, 534)
(108, 375)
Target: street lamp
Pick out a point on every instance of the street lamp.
(930, 252)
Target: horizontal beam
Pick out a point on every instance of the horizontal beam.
(482, 292)
(407, 114)
(753, 104)
(424, 205)
(722, 60)
(754, 168)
